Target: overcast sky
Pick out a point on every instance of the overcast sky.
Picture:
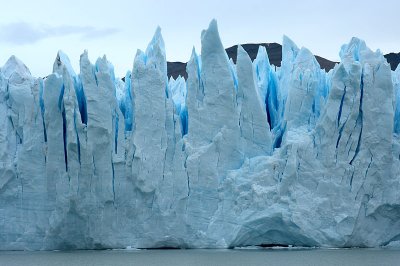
(35, 30)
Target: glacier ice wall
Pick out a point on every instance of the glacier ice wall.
(236, 155)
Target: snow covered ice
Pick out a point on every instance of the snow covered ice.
(236, 155)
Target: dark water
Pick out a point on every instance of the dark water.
(246, 257)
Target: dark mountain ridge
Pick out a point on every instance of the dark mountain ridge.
(274, 51)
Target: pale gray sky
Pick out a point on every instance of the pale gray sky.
(35, 30)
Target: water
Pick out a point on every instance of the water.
(246, 257)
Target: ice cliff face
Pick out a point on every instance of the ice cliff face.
(236, 155)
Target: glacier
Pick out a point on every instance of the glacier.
(237, 155)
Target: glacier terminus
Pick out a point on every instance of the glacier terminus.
(239, 154)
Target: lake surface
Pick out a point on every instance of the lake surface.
(298, 257)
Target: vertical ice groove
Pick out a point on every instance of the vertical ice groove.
(64, 120)
(359, 121)
(267, 84)
(188, 180)
(113, 181)
(127, 102)
(42, 110)
(341, 106)
(232, 68)
(396, 85)
(77, 137)
(116, 119)
(178, 91)
(339, 124)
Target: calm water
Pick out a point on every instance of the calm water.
(246, 257)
